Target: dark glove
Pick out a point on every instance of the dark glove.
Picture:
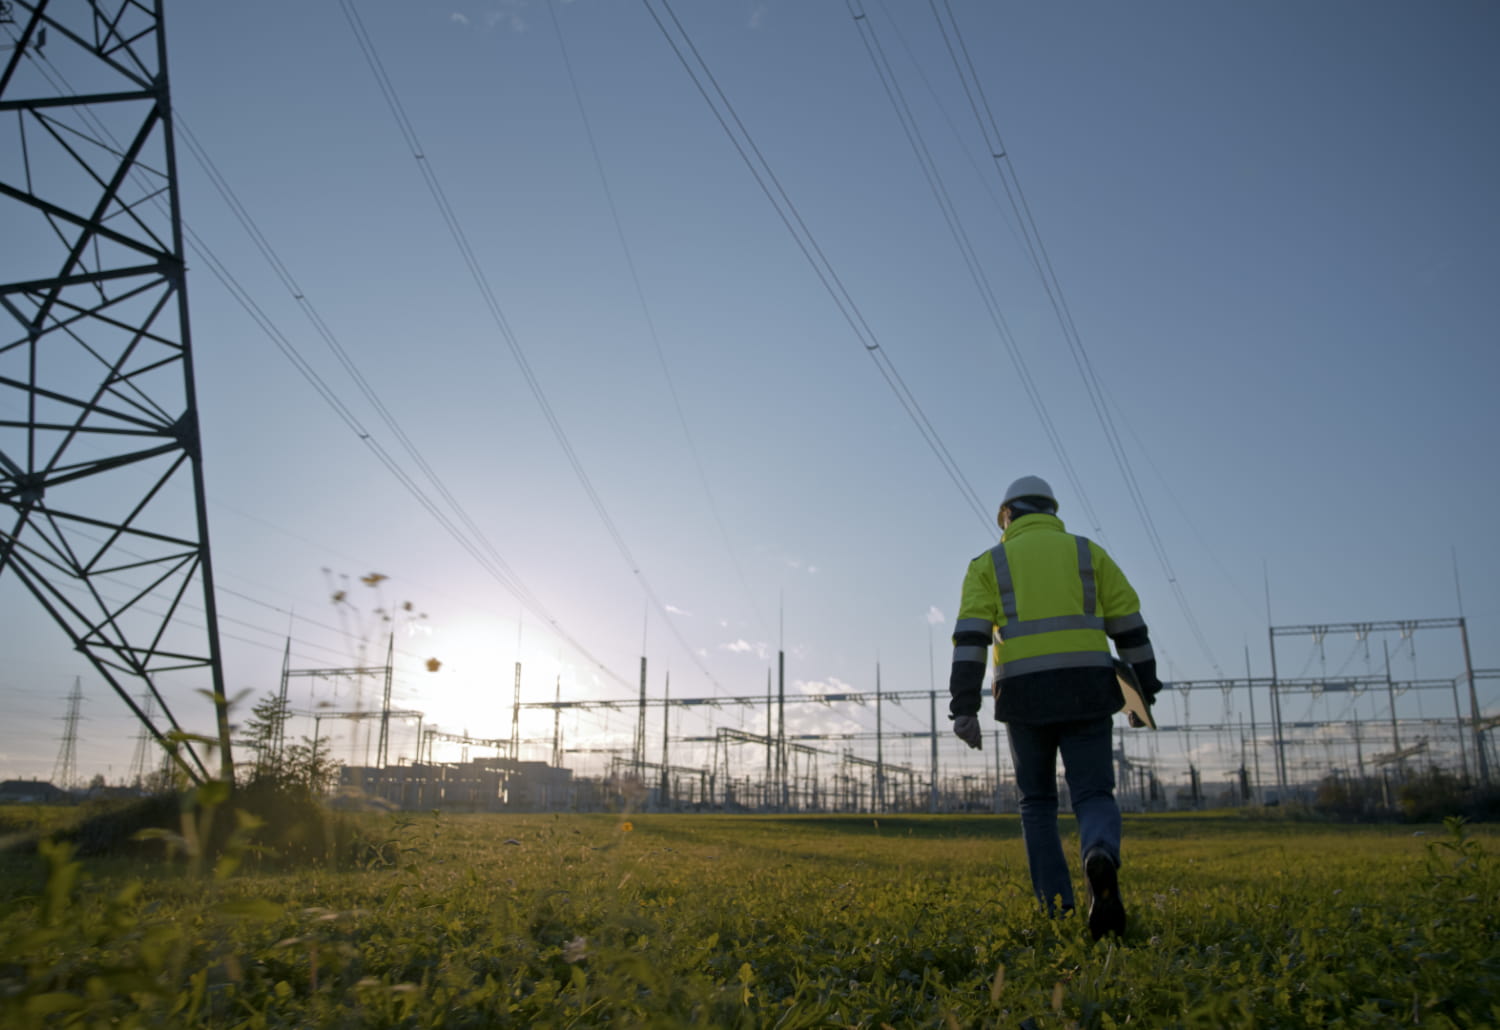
(1145, 675)
(967, 729)
(1145, 678)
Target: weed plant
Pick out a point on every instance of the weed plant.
(742, 921)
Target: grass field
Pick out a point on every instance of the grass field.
(743, 921)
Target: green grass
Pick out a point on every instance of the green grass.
(743, 921)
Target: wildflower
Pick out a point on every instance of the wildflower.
(576, 950)
(626, 826)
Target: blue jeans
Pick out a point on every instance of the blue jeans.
(1088, 764)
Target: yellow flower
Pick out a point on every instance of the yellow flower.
(626, 827)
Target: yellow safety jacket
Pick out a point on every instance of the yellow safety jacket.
(1049, 602)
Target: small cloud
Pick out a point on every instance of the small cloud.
(678, 611)
(757, 15)
(935, 617)
(456, 16)
(743, 646)
(511, 13)
(832, 685)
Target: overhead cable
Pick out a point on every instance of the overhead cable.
(640, 294)
(723, 110)
(1042, 262)
(492, 304)
(966, 248)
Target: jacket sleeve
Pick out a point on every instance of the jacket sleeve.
(972, 636)
(1121, 608)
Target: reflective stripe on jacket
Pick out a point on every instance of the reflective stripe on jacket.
(1048, 599)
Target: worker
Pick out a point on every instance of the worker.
(1051, 602)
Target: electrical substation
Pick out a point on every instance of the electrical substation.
(1254, 741)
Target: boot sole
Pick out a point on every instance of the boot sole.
(1106, 910)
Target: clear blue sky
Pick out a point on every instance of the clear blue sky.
(1275, 227)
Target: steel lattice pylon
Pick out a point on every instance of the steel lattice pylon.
(100, 466)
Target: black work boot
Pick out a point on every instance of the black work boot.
(1106, 910)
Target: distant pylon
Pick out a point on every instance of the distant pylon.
(141, 758)
(65, 771)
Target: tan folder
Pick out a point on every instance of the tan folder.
(1135, 700)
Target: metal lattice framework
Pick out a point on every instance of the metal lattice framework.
(100, 466)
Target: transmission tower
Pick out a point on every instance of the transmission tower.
(65, 770)
(101, 477)
(141, 758)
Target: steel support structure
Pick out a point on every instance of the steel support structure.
(101, 473)
(1406, 628)
(387, 671)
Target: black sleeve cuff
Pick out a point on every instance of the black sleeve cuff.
(1138, 637)
(965, 688)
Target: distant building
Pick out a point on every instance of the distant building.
(482, 785)
(31, 792)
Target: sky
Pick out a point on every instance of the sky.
(680, 412)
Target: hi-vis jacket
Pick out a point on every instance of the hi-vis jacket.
(1050, 602)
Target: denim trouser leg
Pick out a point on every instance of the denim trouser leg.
(1033, 749)
(1089, 767)
(1088, 764)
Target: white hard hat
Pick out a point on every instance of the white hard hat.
(1029, 486)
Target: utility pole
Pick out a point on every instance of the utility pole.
(1483, 759)
(102, 402)
(1458, 718)
(557, 754)
(1395, 732)
(781, 770)
(1254, 729)
(382, 750)
(770, 738)
(515, 717)
(278, 740)
(65, 771)
(640, 727)
(879, 747)
(1276, 720)
(932, 796)
(666, 770)
(932, 793)
(1359, 747)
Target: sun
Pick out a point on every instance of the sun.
(463, 675)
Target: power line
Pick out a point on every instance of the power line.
(492, 304)
(966, 248)
(640, 293)
(765, 177)
(1042, 262)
